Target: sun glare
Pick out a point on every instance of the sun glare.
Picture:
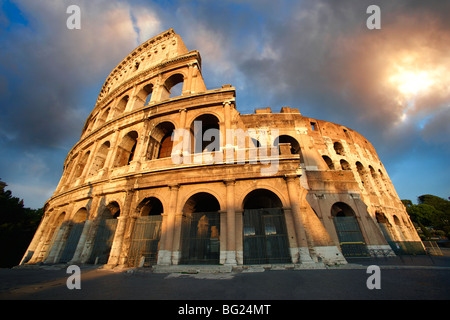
(411, 83)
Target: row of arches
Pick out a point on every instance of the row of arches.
(157, 145)
(143, 95)
(265, 237)
(377, 176)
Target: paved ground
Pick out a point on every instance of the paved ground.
(404, 278)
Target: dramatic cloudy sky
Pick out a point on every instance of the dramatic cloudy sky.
(392, 85)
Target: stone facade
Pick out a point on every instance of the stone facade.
(186, 179)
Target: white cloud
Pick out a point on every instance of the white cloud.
(147, 23)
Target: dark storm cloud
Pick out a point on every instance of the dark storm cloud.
(315, 55)
(50, 79)
(331, 66)
(48, 66)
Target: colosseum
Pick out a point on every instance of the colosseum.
(168, 172)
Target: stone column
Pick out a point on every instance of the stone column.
(230, 255)
(227, 133)
(117, 242)
(34, 249)
(184, 140)
(302, 241)
(126, 243)
(168, 229)
(116, 253)
(239, 232)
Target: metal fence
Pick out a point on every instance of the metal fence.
(350, 237)
(200, 238)
(265, 237)
(432, 248)
(145, 241)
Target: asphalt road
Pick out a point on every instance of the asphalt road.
(421, 278)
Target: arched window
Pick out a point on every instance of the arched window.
(338, 148)
(294, 147)
(121, 106)
(345, 165)
(100, 158)
(103, 118)
(329, 162)
(205, 131)
(144, 96)
(81, 165)
(362, 174)
(126, 149)
(160, 142)
(165, 149)
(173, 86)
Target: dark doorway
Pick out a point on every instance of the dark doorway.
(265, 234)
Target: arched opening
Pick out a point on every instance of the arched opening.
(53, 234)
(265, 233)
(201, 230)
(81, 165)
(205, 134)
(146, 233)
(103, 118)
(338, 148)
(172, 87)
(254, 143)
(399, 226)
(383, 180)
(375, 178)
(144, 96)
(176, 90)
(348, 231)
(75, 229)
(294, 146)
(104, 237)
(363, 175)
(126, 149)
(160, 143)
(121, 106)
(345, 165)
(329, 162)
(100, 158)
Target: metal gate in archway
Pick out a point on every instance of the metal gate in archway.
(350, 237)
(265, 236)
(103, 241)
(145, 241)
(200, 238)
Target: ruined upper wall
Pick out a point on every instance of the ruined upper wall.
(161, 48)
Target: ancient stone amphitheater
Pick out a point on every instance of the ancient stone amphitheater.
(167, 172)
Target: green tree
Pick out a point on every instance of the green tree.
(441, 217)
(431, 211)
(17, 227)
